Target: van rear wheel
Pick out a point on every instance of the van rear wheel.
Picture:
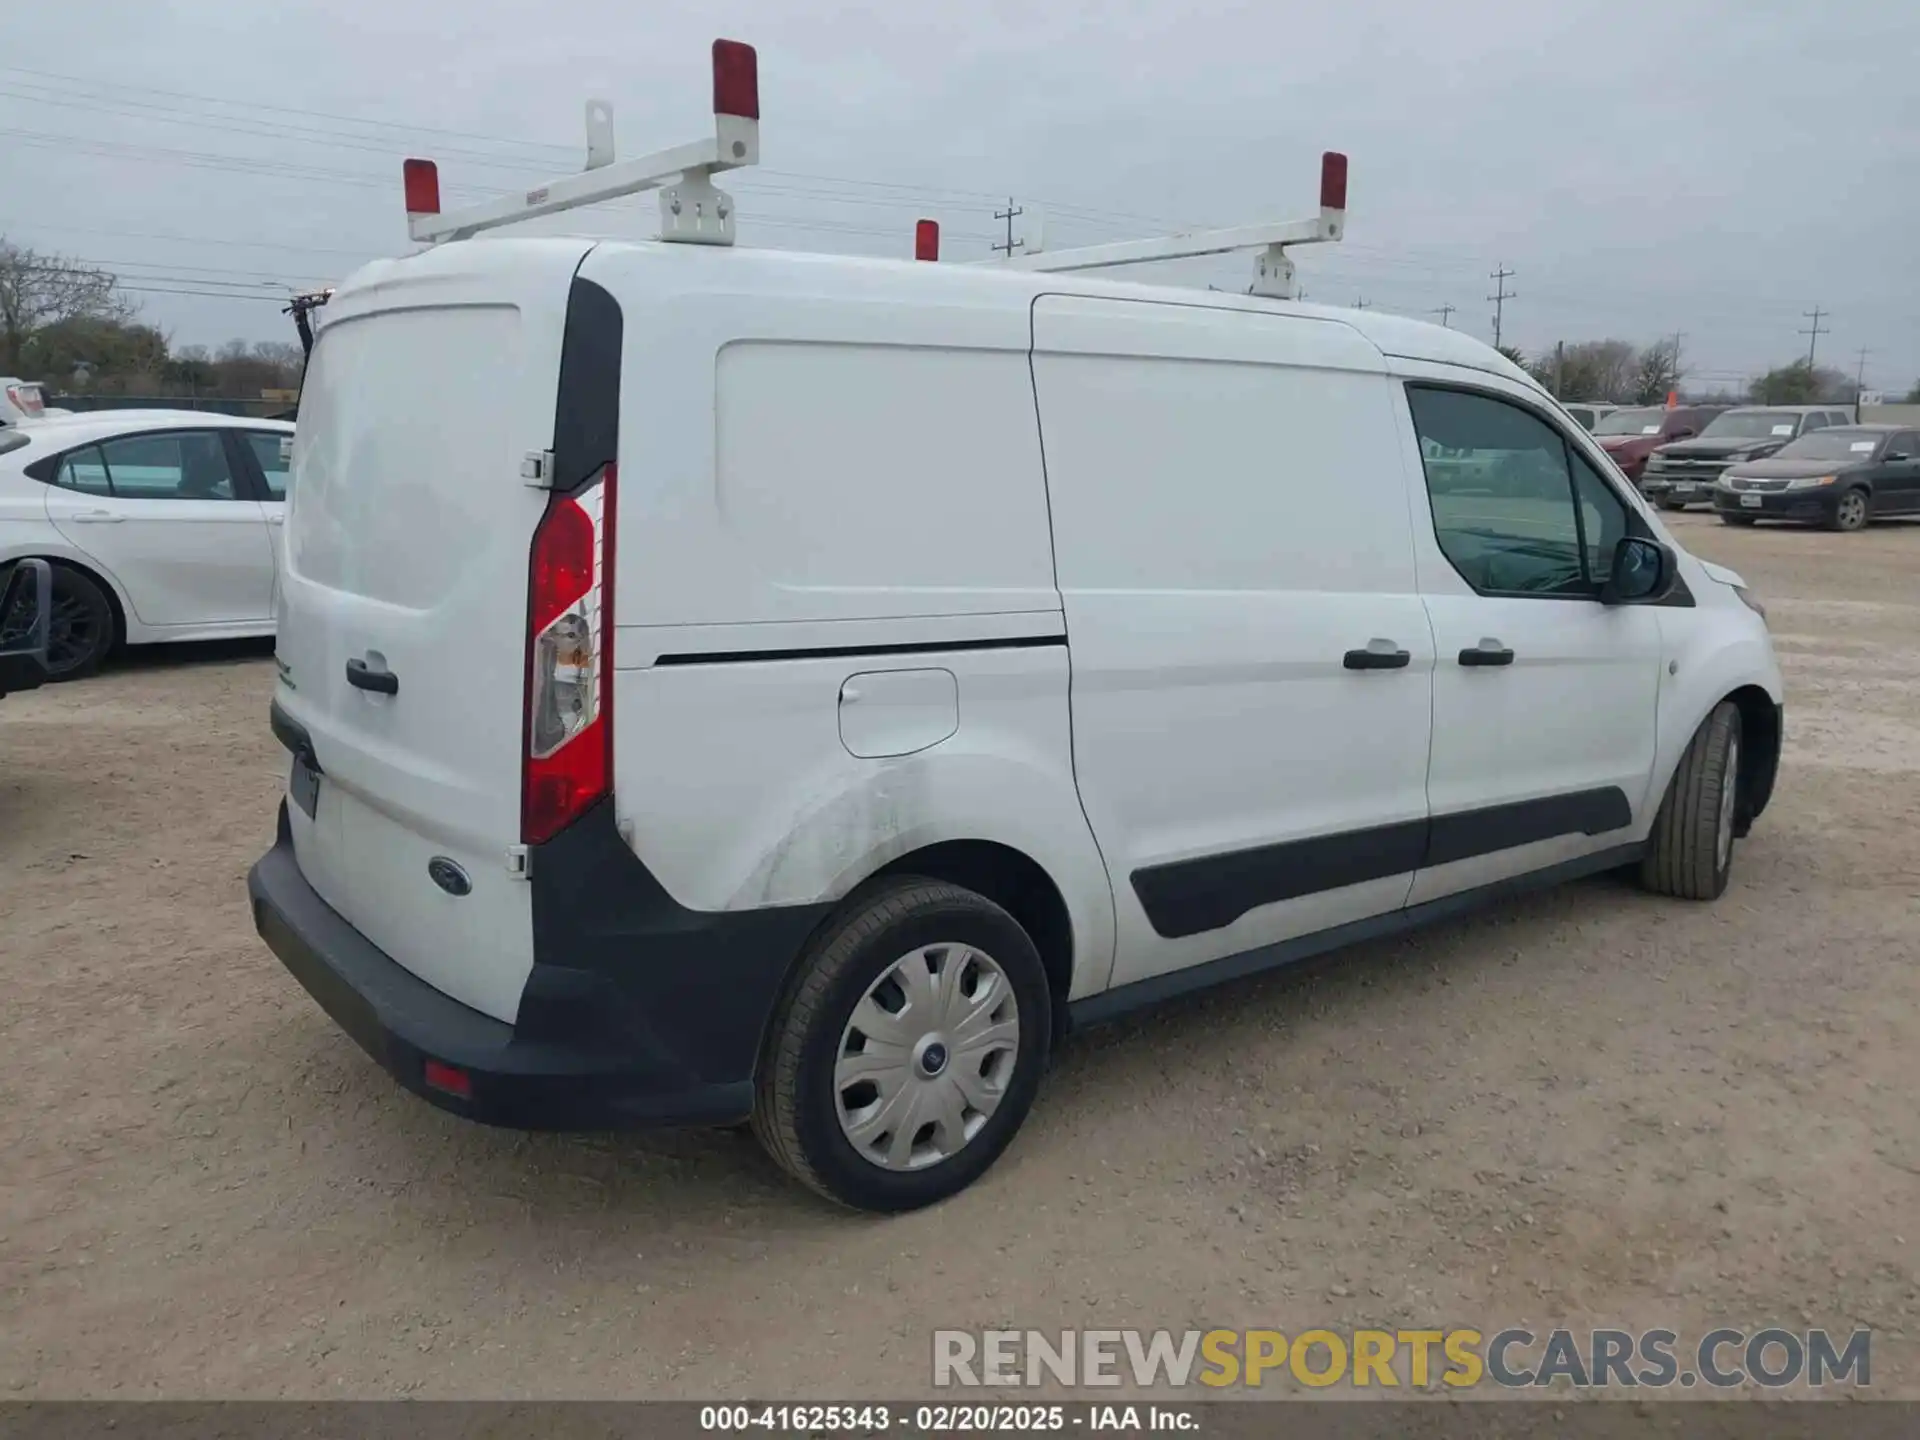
(907, 1049)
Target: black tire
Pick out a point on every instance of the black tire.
(1851, 511)
(796, 1106)
(1736, 519)
(1670, 505)
(1686, 856)
(83, 632)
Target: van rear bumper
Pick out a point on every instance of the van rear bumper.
(599, 1077)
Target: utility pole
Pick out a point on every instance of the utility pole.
(1361, 304)
(1678, 336)
(1500, 276)
(1559, 369)
(1813, 332)
(1445, 312)
(1860, 383)
(1010, 214)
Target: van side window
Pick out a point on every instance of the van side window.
(1603, 518)
(1815, 421)
(1502, 484)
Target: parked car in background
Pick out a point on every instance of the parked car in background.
(159, 525)
(1588, 412)
(1840, 478)
(1630, 436)
(23, 400)
(1683, 472)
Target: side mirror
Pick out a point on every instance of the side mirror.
(1643, 573)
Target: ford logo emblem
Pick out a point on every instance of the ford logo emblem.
(449, 876)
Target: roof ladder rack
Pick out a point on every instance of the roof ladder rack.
(1273, 270)
(693, 210)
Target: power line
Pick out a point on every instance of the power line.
(1500, 275)
(1813, 332)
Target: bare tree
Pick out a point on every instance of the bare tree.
(39, 290)
(1656, 373)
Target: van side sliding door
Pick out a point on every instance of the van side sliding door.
(1252, 665)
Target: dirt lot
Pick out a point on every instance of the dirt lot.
(1593, 1107)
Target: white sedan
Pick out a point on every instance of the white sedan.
(159, 525)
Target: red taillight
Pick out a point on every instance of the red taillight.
(1333, 181)
(448, 1078)
(569, 722)
(926, 240)
(422, 180)
(736, 80)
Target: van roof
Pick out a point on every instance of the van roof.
(869, 279)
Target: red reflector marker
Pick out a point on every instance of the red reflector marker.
(926, 240)
(1333, 181)
(736, 80)
(423, 186)
(449, 1078)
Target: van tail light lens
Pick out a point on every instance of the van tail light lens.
(26, 399)
(569, 726)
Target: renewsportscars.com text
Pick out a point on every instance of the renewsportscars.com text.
(1513, 1358)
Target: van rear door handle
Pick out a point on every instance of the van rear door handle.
(95, 517)
(362, 676)
(1487, 652)
(1379, 655)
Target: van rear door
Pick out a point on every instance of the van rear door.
(403, 609)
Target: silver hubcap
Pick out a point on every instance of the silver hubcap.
(926, 1058)
(1729, 792)
(1852, 509)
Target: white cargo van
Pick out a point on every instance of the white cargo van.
(827, 681)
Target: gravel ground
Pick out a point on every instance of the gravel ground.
(1592, 1107)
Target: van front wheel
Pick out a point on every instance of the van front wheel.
(908, 1048)
(1690, 853)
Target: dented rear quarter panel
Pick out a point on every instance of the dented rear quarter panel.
(737, 791)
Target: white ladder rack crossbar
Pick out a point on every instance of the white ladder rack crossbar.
(692, 209)
(1273, 272)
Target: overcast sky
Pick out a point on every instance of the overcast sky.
(1715, 167)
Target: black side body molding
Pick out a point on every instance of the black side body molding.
(1188, 897)
(826, 652)
(1124, 999)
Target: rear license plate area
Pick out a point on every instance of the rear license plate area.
(303, 786)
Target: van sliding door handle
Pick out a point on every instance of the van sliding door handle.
(1487, 652)
(1378, 657)
(363, 677)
